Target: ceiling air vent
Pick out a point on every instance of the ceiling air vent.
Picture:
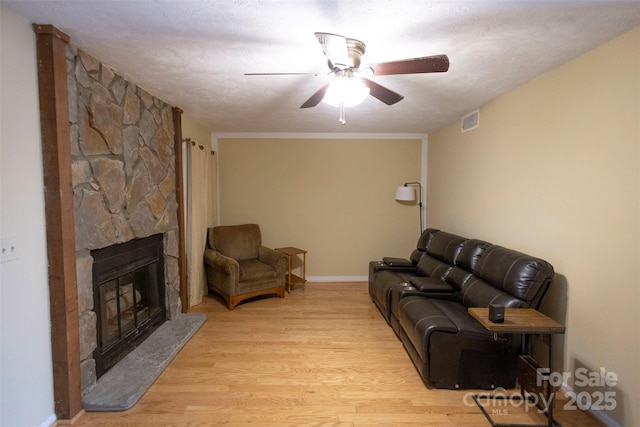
(471, 121)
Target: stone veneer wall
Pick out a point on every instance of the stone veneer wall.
(124, 182)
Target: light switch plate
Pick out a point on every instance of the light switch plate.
(9, 250)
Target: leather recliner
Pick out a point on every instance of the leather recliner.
(427, 308)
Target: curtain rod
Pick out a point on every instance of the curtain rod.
(193, 144)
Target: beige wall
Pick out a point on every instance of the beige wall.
(332, 197)
(553, 171)
(195, 131)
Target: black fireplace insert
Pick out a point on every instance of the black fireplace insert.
(128, 293)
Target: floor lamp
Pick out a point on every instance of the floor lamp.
(404, 193)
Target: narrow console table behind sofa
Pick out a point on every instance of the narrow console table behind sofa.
(524, 321)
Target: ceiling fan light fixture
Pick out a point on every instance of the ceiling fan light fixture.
(350, 91)
(350, 84)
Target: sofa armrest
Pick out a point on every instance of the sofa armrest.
(275, 259)
(431, 284)
(397, 262)
(375, 266)
(221, 263)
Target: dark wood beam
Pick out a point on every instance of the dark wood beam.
(182, 246)
(56, 158)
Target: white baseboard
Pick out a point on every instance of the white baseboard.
(49, 422)
(604, 418)
(599, 415)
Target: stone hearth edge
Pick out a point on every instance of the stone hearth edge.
(124, 384)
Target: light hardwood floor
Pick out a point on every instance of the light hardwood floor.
(322, 356)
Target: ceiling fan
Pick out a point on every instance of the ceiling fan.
(350, 83)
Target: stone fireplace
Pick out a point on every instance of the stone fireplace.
(124, 186)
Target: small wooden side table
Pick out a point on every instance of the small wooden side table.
(524, 321)
(292, 279)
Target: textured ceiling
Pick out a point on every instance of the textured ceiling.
(193, 54)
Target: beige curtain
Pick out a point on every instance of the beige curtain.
(212, 192)
(200, 175)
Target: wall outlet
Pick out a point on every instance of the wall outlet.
(9, 250)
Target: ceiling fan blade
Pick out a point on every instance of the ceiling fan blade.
(381, 93)
(315, 98)
(285, 74)
(425, 64)
(335, 48)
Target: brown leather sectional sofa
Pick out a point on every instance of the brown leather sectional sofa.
(425, 301)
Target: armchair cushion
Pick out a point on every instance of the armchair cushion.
(254, 269)
(239, 242)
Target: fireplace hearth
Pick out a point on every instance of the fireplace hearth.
(128, 290)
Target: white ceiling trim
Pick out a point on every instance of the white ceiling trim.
(296, 135)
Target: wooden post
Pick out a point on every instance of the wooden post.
(182, 246)
(61, 242)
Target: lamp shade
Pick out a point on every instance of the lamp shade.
(405, 194)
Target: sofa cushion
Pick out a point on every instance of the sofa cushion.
(522, 276)
(432, 267)
(457, 277)
(418, 318)
(478, 293)
(425, 238)
(445, 247)
(416, 256)
(470, 254)
(239, 242)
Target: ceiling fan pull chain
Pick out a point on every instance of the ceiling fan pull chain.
(342, 108)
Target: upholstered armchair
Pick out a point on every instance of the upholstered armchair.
(239, 267)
